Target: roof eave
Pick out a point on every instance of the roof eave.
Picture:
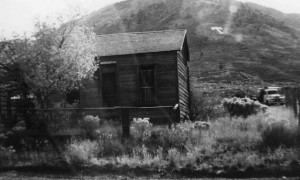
(185, 43)
(133, 54)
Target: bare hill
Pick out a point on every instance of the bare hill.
(258, 41)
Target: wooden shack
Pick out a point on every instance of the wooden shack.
(141, 69)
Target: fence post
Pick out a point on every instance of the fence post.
(26, 119)
(125, 122)
(298, 107)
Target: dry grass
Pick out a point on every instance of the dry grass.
(235, 144)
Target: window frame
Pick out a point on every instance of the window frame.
(139, 69)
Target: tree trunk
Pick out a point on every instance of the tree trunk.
(299, 116)
(9, 110)
(3, 119)
(26, 104)
(298, 107)
(294, 102)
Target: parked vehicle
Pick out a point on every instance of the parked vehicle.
(271, 96)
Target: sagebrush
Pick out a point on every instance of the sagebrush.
(243, 107)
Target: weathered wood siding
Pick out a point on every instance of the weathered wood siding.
(170, 76)
(183, 84)
(90, 94)
(128, 81)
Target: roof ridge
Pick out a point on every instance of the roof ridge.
(142, 32)
(140, 42)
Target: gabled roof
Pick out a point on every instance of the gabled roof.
(140, 42)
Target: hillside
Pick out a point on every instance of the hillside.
(259, 43)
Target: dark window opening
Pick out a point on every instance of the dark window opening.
(109, 86)
(147, 85)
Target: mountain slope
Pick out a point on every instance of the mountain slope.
(258, 41)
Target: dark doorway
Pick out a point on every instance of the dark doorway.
(146, 83)
(109, 86)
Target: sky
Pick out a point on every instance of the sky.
(18, 16)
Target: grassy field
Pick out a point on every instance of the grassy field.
(262, 145)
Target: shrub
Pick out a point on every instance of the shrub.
(20, 126)
(109, 138)
(140, 128)
(239, 160)
(278, 134)
(110, 127)
(235, 135)
(6, 150)
(6, 154)
(243, 107)
(279, 127)
(84, 151)
(201, 125)
(281, 155)
(141, 156)
(188, 130)
(91, 124)
(203, 107)
(166, 138)
(111, 145)
(184, 126)
(174, 157)
(178, 136)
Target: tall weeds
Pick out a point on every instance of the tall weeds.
(263, 139)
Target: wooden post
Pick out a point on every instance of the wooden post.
(298, 107)
(9, 110)
(294, 100)
(299, 114)
(125, 122)
(175, 114)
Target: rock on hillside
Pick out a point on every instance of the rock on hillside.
(257, 40)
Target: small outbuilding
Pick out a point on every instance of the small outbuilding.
(141, 69)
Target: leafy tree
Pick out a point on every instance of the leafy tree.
(61, 58)
(54, 60)
(12, 55)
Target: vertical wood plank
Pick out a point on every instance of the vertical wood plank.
(125, 122)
